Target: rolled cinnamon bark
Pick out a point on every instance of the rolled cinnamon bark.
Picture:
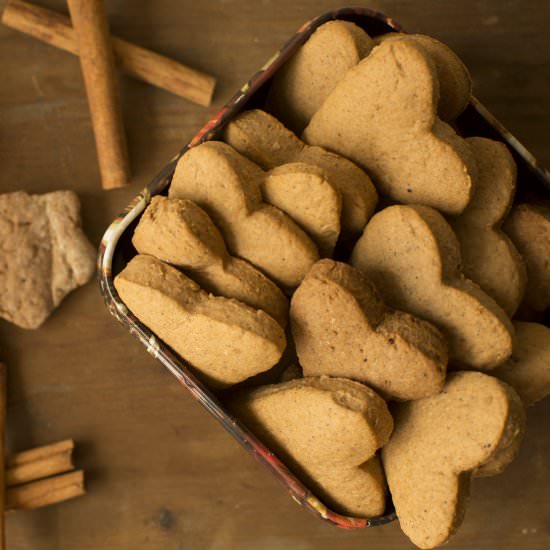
(55, 29)
(39, 463)
(45, 492)
(98, 68)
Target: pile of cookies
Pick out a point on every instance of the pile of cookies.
(409, 373)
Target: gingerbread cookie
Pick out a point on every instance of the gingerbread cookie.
(382, 115)
(328, 431)
(304, 192)
(437, 443)
(307, 78)
(44, 254)
(341, 327)
(225, 340)
(177, 231)
(227, 186)
(489, 258)
(455, 83)
(528, 225)
(413, 257)
(264, 140)
(528, 370)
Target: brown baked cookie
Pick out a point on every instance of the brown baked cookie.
(44, 254)
(304, 192)
(177, 231)
(528, 225)
(264, 140)
(341, 327)
(224, 339)
(413, 257)
(455, 83)
(382, 115)
(437, 443)
(307, 78)
(227, 186)
(328, 431)
(528, 370)
(489, 258)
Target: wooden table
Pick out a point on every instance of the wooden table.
(161, 473)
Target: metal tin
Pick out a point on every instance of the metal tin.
(116, 249)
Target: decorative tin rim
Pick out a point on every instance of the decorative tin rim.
(174, 363)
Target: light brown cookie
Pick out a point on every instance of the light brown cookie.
(179, 232)
(489, 258)
(264, 140)
(341, 327)
(328, 431)
(304, 192)
(528, 225)
(307, 78)
(227, 186)
(382, 115)
(437, 443)
(224, 339)
(413, 257)
(455, 83)
(44, 254)
(528, 370)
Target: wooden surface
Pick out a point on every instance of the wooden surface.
(161, 473)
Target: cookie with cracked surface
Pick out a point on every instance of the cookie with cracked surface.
(44, 254)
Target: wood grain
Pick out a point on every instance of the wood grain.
(3, 409)
(55, 29)
(161, 474)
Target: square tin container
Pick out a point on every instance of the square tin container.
(116, 248)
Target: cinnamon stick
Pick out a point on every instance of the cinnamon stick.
(3, 408)
(55, 29)
(98, 68)
(46, 491)
(40, 463)
(40, 453)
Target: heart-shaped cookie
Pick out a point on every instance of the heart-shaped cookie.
(489, 257)
(382, 115)
(328, 431)
(307, 78)
(341, 327)
(528, 225)
(413, 257)
(225, 340)
(227, 186)
(263, 139)
(179, 232)
(436, 445)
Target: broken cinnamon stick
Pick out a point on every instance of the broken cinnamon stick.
(55, 29)
(3, 408)
(45, 492)
(98, 69)
(39, 463)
